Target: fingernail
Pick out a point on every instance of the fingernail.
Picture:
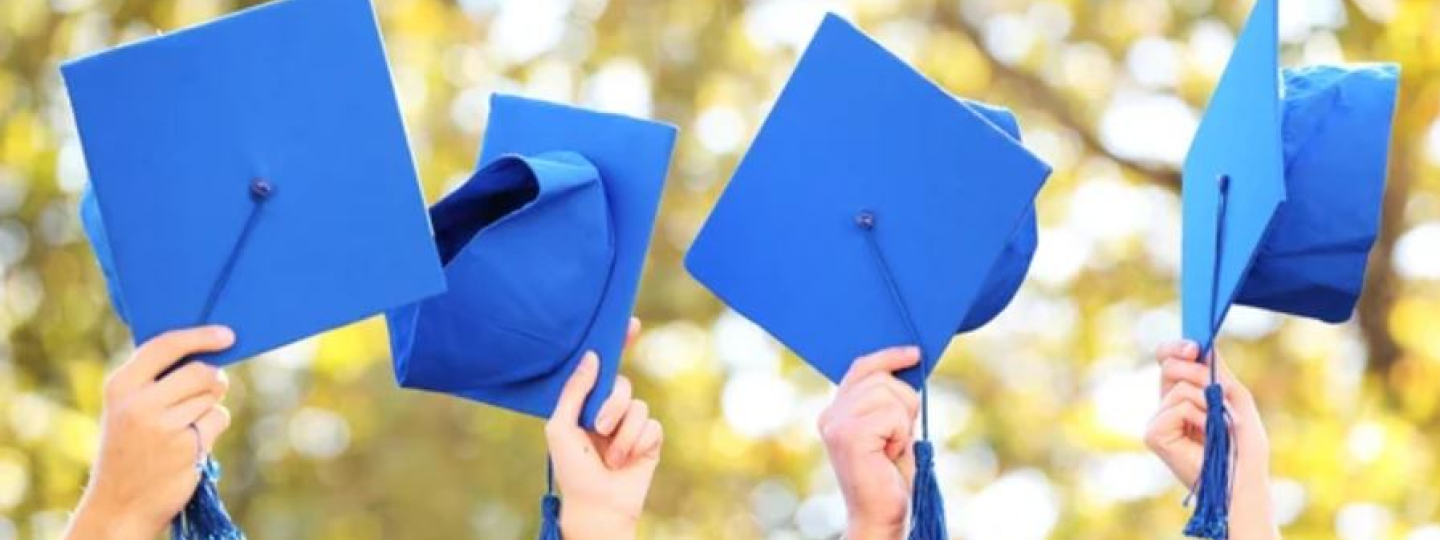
(912, 350)
(222, 333)
(1190, 348)
(589, 361)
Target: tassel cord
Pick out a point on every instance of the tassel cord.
(204, 516)
(1213, 488)
(927, 512)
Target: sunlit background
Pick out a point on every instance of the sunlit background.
(1039, 415)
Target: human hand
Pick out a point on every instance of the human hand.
(145, 471)
(1177, 435)
(603, 476)
(868, 431)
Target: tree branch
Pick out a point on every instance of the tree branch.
(1039, 93)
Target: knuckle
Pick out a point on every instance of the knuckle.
(166, 341)
(827, 434)
(910, 397)
(553, 428)
(222, 382)
(135, 418)
(202, 371)
(187, 372)
(1239, 390)
(124, 416)
(110, 389)
(837, 432)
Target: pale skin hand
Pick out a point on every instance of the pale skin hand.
(145, 471)
(603, 477)
(868, 431)
(1177, 435)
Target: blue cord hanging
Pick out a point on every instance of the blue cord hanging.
(550, 506)
(204, 516)
(927, 505)
(1211, 519)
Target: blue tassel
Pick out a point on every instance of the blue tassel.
(1211, 519)
(204, 516)
(550, 517)
(927, 507)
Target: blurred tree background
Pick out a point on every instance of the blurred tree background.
(1039, 415)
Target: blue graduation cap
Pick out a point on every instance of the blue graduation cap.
(1282, 191)
(252, 172)
(543, 249)
(873, 209)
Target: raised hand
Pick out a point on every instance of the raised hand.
(1177, 435)
(154, 432)
(603, 476)
(868, 431)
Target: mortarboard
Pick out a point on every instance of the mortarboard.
(253, 172)
(872, 209)
(543, 249)
(1282, 190)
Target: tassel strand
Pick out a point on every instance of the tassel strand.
(1212, 506)
(1211, 519)
(204, 516)
(927, 506)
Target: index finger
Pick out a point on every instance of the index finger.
(1175, 371)
(159, 353)
(572, 396)
(885, 361)
(1178, 350)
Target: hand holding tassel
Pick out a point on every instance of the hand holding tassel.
(602, 477)
(868, 431)
(153, 432)
(1177, 434)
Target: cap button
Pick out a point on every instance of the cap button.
(865, 220)
(260, 189)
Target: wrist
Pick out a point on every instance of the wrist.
(869, 530)
(96, 520)
(1252, 515)
(580, 523)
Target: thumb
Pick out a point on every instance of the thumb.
(572, 396)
